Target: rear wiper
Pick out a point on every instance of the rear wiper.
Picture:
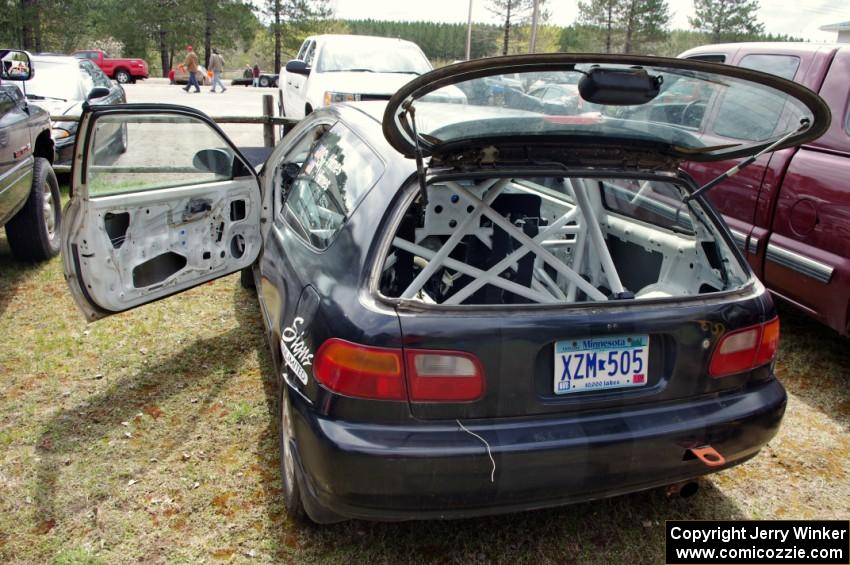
(804, 125)
(40, 97)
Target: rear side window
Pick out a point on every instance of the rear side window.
(335, 177)
(753, 114)
(784, 66)
(709, 58)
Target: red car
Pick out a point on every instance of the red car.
(122, 70)
(790, 210)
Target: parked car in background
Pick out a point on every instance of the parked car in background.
(543, 312)
(122, 70)
(789, 211)
(61, 86)
(565, 94)
(344, 68)
(247, 79)
(181, 75)
(29, 193)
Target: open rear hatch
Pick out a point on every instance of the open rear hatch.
(557, 242)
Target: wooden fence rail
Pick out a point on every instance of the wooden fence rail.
(268, 120)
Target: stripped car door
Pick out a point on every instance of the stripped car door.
(177, 207)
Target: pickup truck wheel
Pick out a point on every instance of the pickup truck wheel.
(122, 76)
(293, 504)
(264, 82)
(34, 231)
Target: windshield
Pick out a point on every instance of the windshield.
(682, 111)
(55, 80)
(373, 56)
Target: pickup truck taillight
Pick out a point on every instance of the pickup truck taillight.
(745, 349)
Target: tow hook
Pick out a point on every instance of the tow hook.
(708, 455)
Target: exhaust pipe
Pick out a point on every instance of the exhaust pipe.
(685, 489)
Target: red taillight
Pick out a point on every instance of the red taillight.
(443, 376)
(358, 370)
(377, 372)
(745, 349)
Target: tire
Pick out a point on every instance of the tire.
(34, 231)
(294, 506)
(122, 76)
(264, 82)
(246, 278)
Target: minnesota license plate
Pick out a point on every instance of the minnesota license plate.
(599, 363)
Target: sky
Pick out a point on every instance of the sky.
(799, 18)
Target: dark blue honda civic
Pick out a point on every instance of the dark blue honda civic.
(478, 298)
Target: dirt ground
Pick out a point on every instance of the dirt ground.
(151, 436)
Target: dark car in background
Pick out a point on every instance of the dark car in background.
(471, 308)
(29, 193)
(247, 79)
(61, 86)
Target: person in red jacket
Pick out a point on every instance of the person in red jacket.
(256, 73)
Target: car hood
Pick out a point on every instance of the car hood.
(59, 107)
(738, 112)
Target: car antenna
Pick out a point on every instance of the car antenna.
(804, 125)
(420, 167)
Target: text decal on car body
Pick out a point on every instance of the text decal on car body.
(295, 352)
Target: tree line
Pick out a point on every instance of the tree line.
(270, 32)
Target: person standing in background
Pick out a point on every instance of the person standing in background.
(217, 67)
(191, 64)
(256, 74)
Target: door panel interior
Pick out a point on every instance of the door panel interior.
(132, 248)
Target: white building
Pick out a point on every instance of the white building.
(843, 29)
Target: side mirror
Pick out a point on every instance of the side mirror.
(97, 92)
(619, 87)
(216, 161)
(15, 65)
(298, 67)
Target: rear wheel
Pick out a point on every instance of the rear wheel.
(289, 476)
(34, 231)
(122, 76)
(264, 82)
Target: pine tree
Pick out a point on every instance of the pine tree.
(643, 22)
(726, 19)
(513, 13)
(604, 14)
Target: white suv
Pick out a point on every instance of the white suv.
(343, 68)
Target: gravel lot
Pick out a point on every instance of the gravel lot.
(150, 436)
(236, 101)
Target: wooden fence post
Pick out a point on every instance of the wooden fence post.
(268, 126)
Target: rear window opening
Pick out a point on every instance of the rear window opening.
(555, 240)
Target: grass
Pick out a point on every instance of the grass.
(150, 436)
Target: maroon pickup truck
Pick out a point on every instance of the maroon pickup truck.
(789, 211)
(122, 70)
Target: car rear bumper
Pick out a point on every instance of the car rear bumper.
(437, 470)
